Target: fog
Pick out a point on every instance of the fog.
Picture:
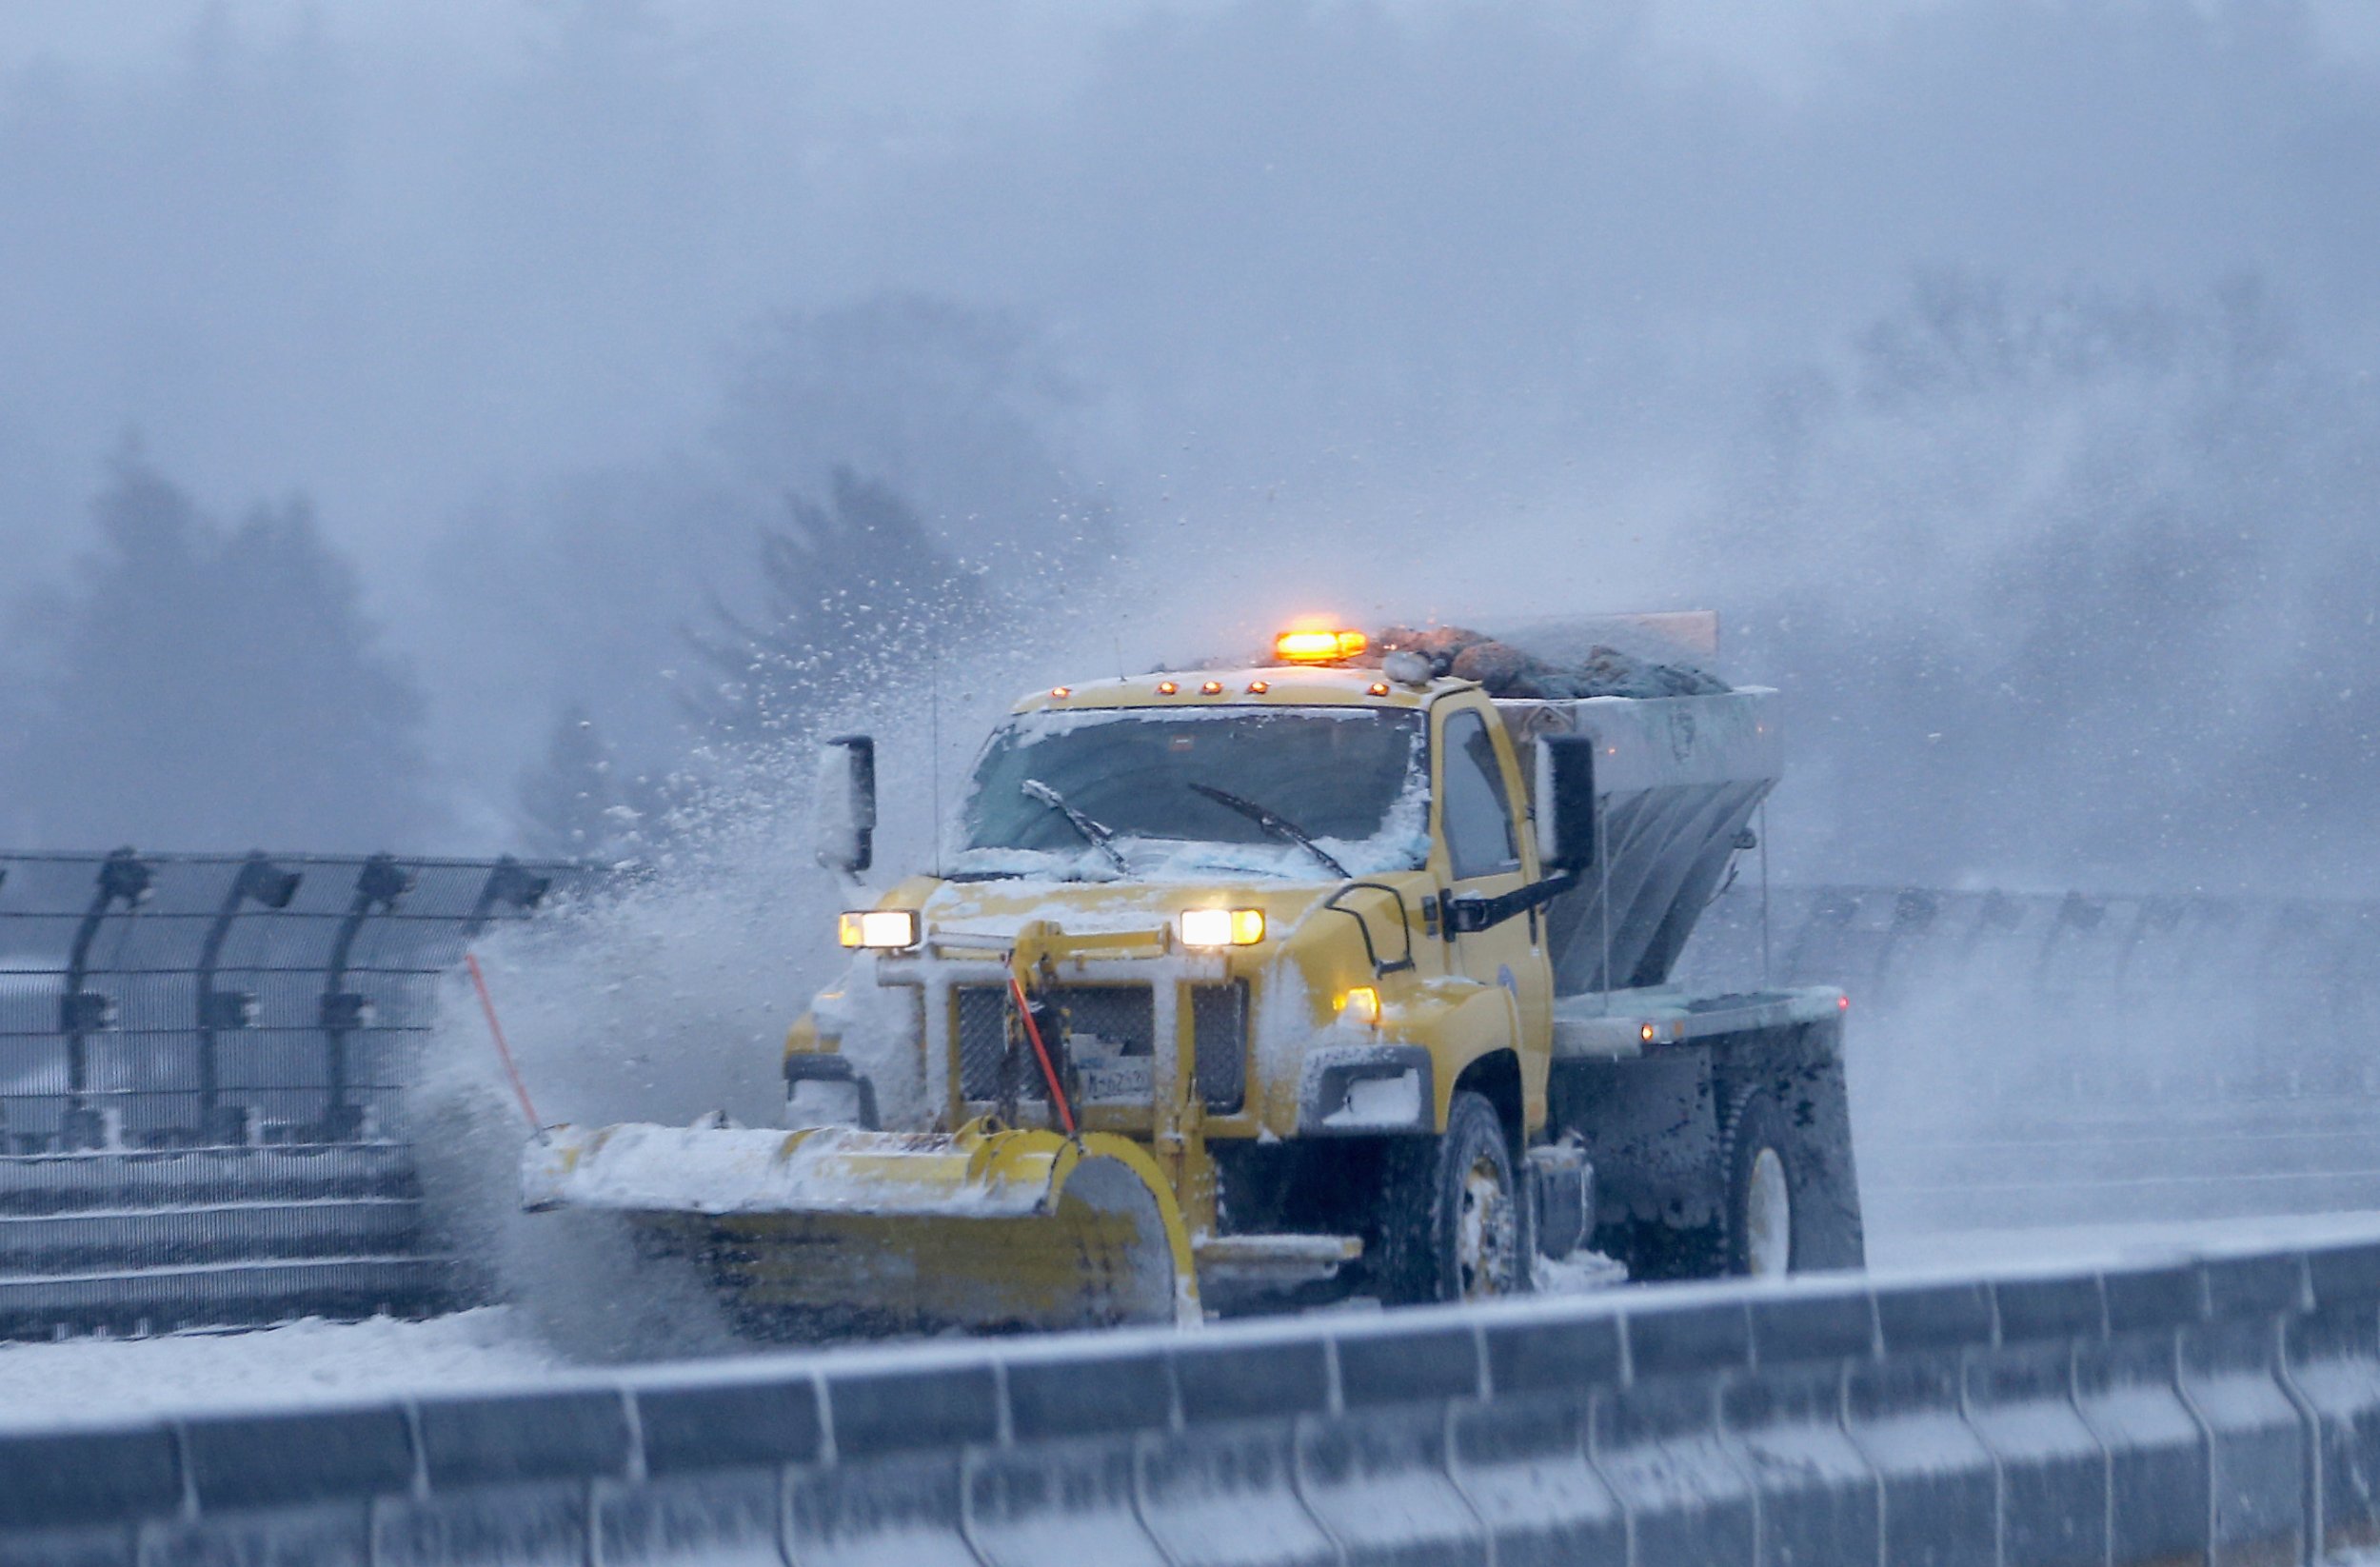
(2001, 371)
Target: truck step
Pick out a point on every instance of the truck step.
(1274, 1260)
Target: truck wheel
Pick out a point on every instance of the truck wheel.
(1781, 1217)
(1454, 1224)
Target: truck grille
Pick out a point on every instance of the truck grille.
(1218, 1031)
(1124, 1015)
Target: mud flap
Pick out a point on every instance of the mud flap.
(836, 1230)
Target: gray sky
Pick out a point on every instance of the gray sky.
(1434, 307)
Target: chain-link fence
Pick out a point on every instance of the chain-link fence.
(2020, 1060)
(2063, 1000)
(168, 1000)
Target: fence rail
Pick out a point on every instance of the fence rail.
(2065, 997)
(162, 1001)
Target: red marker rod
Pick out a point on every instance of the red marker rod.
(1049, 1073)
(504, 1051)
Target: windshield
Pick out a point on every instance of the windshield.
(1351, 779)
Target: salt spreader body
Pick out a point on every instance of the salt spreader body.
(1343, 973)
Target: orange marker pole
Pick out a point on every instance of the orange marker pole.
(504, 1051)
(1049, 1073)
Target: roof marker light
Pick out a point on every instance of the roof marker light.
(1257, 687)
(1377, 688)
(1318, 646)
(1061, 692)
(1166, 687)
(1212, 688)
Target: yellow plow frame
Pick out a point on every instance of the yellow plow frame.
(841, 1230)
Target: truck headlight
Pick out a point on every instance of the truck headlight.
(1222, 926)
(882, 929)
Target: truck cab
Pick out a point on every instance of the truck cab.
(1372, 963)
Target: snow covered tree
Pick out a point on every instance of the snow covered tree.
(967, 412)
(849, 589)
(204, 688)
(571, 800)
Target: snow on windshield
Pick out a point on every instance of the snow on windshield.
(1353, 779)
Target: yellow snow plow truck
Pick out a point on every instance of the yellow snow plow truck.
(1346, 973)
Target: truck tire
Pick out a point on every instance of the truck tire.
(1783, 1215)
(1454, 1224)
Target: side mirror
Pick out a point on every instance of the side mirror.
(1564, 796)
(842, 812)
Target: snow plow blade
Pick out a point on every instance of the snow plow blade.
(839, 1231)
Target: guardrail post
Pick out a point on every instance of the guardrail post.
(2256, 1436)
(258, 879)
(1657, 1439)
(121, 879)
(508, 882)
(1907, 1416)
(2328, 1361)
(2052, 1469)
(1220, 1486)
(1820, 1498)
(1520, 1456)
(2129, 1394)
(1398, 1385)
(378, 886)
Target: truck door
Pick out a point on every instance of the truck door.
(1482, 834)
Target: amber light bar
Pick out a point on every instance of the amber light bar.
(1318, 646)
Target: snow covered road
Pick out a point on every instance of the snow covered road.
(100, 1381)
(1932, 1251)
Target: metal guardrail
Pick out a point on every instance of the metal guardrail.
(2217, 1410)
(201, 1061)
(208, 1000)
(1890, 938)
(2011, 996)
(158, 1001)
(163, 1018)
(2024, 1060)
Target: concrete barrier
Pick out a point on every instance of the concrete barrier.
(2223, 1408)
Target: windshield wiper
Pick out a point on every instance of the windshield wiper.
(1275, 824)
(1100, 836)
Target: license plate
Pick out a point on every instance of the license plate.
(1115, 1077)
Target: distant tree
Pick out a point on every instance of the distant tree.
(964, 411)
(848, 588)
(2098, 569)
(210, 688)
(571, 803)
